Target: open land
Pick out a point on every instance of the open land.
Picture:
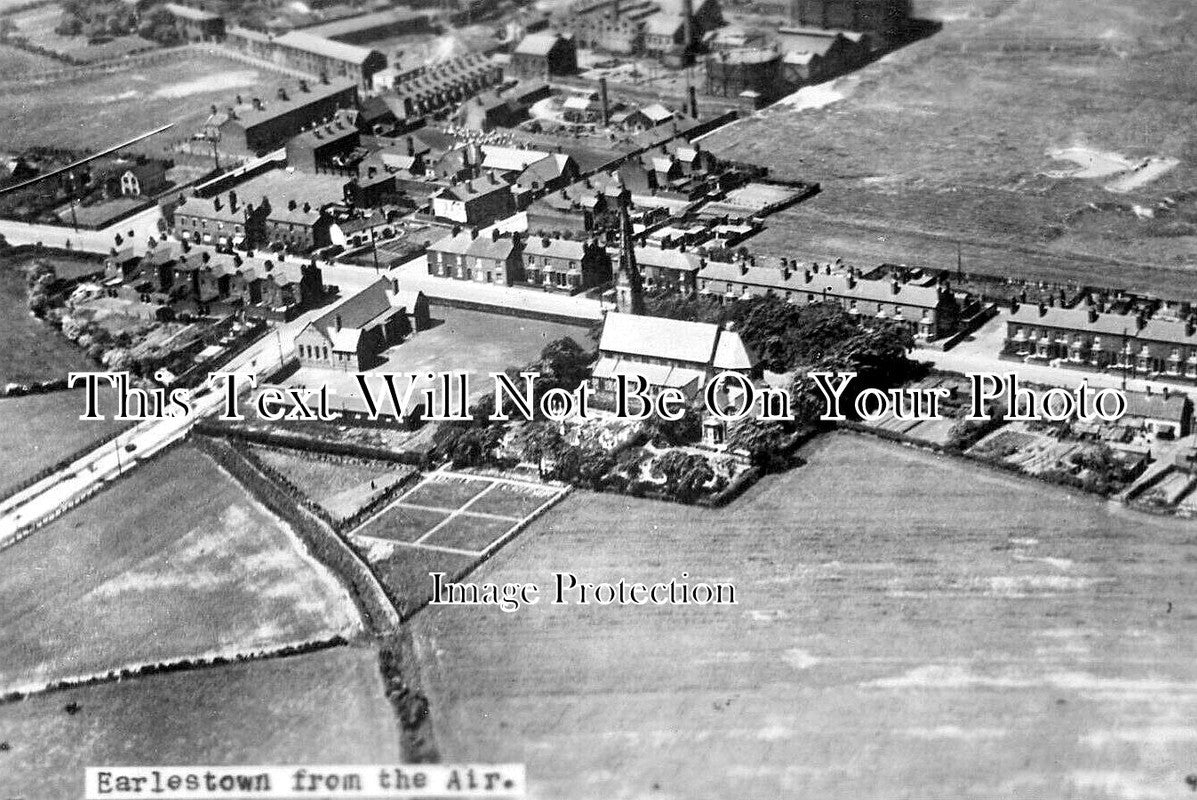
(474, 342)
(14, 61)
(275, 711)
(110, 108)
(1005, 640)
(34, 351)
(172, 562)
(38, 431)
(952, 140)
(340, 487)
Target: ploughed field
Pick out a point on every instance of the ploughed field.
(326, 707)
(907, 625)
(1052, 138)
(173, 562)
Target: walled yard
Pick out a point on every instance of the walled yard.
(326, 707)
(173, 562)
(1007, 640)
(1085, 174)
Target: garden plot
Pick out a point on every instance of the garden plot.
(448, 523)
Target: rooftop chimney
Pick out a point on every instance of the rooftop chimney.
(257, 103)
(338, 321)
(292, 205)
(282, 93)
(473, 233)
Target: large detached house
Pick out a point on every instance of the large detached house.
(352, 335)
(668, 353)
(472, 202)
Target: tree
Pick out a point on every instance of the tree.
(686, 474)
(563, 364)
(767, 443)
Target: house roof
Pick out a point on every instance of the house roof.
(376, 302)
(509, 159)
(837, 284)
(663, 25)
(733, 353)
(476, 187)
(549, 168)
(187, 12)
(272, 107)
(657, 113)
(674, 259)
(466, 242)
(329, 48)
(555, 248)
(657, 337)
(537, 44)
(1156, 405)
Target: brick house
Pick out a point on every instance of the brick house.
(564, 265)
(467, 256)
(479, 201)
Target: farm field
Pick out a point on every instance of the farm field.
(14, 62)
(1051, 138)
(175, 561)
(37, 431)
(907, 625)
(107, 109)
(274, 711)
(341, 487)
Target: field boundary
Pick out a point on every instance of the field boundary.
(378, 610)
(183, 664)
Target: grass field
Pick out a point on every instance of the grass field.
(907, 626)
(107, 109)
(948, 140)
(342, 487)
(14, 62)
(35, 352)
(319, 708)
(38, 431)
(174, 561)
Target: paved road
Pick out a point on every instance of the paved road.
(119, 455)
(980, 354)
(144, 224)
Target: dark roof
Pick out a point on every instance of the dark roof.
(296, 99)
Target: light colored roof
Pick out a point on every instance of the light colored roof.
(555, 248)
(364, 22)
(657, 113)
(537, 44)
(187, 12)
(837, 284)
(301, 40)
(732, 353)
(465, 190)
(483, 246)
(671, 258)
(663, 24)
(656, 337)
(509, 159)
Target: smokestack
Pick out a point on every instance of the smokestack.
(606, 108)
(693, 101)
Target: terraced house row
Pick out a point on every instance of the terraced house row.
(1085, 336)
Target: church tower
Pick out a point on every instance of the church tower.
(629, 290)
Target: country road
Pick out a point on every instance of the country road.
(116, 456)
